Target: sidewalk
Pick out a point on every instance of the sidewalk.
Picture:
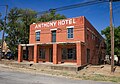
(48, 65)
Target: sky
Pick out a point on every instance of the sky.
(97, 14)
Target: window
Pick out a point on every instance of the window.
(93, 36)
(38, 36)
(70, 32)
(69, 54)
(53, 36)
(42, 54)
(87, 36)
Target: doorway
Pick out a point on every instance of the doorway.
(88, 55)
(50, 55)
(25, 53)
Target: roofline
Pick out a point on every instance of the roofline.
(57, 20)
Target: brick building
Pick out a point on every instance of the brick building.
(72, 40)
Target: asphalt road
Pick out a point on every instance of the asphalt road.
(10, 77)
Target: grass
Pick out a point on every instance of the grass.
(98, 77)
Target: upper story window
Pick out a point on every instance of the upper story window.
(70, 31)
(37, 35)
(93, 36)
(53, 36)
(53, 33)
(87, 37)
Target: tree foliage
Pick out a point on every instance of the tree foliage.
(50, 16)
(106, 32)
(1, 23)
(18, 27)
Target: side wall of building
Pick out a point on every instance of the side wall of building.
(94, 42)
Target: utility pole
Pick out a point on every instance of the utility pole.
(112, 38)
(4, 30)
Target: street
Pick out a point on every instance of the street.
(13, 77)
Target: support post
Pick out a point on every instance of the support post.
(55, 58)
(35, 54)
(78, 53)
(20, 53)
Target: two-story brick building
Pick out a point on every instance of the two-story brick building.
(72, 40)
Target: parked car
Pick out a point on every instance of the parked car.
(108, 59)
(9, 56)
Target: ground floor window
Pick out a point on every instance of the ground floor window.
(42, 54)
(69, 54)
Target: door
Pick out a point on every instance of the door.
(50, 54)
(25, 53)
(88, 55)
(32, 53)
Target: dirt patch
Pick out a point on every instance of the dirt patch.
(90, 72)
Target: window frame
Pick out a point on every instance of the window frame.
(93, 36)
(65, 53)
(70, 35)
(37, 31)
(53, 33)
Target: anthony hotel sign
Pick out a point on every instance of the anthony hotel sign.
(55, 23)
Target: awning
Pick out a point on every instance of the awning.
(50, 43)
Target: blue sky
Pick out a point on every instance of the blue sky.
(98, 14)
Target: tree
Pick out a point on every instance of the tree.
(0, 41)
(1, 27)
(18, 27)
(1, 23)
(50, 16)
(106, 32)
(28, 17)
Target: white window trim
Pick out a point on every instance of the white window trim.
(34, 23)
(37, 30)
(53, 29)
(70, 27)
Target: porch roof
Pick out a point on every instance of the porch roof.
(27, 44)
(50, 43)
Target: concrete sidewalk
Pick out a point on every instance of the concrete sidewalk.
(48, 65)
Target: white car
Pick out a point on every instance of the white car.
(108, 58)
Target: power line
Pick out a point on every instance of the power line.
(80, 5)
(74, 6)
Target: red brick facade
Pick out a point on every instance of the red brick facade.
(84, 46)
